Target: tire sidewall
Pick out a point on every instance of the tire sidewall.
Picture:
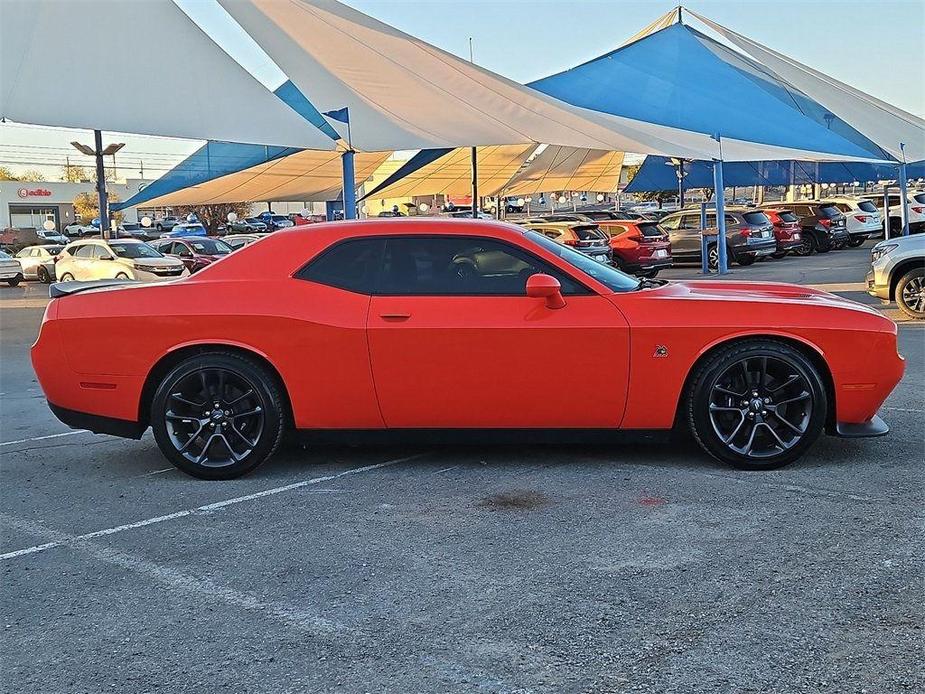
(903, 281)
(699, 398)
(270, 401)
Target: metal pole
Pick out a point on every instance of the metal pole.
(704, 259)
(101, 184)
(680, 180)
(475, 184)
(903, 199)
(886, 212)
(720, 215)
(350, 192)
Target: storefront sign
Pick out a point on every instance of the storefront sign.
(34, 192)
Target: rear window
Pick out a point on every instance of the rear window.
(652, 230)
(756, 218)
(787, 216)
(919, 197)
(588, 232)
(867, 206)
(829, 211)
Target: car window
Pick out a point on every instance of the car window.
(85, 251)
(210, 247)
(461, 266)
(671, 222)
(181, 249)
(919, 198)
(25, 252)
(829, 210)
(605, 274)
(134, 250)
(786, 216)
(867, 206)
(756, 218)
(692, 221)
(650, 229)
(351, 265)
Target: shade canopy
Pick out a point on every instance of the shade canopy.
(449, 172)
(67, 63)
(568, 168)
(217, 173)
(658, 174)
(404, 94)
(679, 77)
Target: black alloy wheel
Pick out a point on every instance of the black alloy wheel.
(713, 257)
(43, 276)
(757, 405)
(218, 415)
(910, 293)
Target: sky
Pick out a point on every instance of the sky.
(876, 47)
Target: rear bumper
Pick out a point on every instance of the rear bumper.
(98, 424)
(789, 244)
(874, 427)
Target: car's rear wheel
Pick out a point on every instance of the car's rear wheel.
(745, 259)
(43, 276)
(67, 277)
(218, 416)
(910, 293)
(756, 405)
(15, 281)
(856, 241)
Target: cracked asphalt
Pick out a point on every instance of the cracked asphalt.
(646, 567)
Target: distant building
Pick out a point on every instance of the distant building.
(28, 204)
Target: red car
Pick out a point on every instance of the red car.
(640, 247)
(786, 230)
(413, 326)
(196, 252)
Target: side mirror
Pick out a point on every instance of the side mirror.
(542, 286)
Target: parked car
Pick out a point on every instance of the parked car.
(655, 215)
(822, 225)
(463, 213)
(299, 219)
(749, 235)
(77, 229)
(275, 221)
(247, 225)
(787, 231)
(38, 262)
(127, 259)
(639, 247)
(195, 253)
(185, 229)
(915, 205)
(448, 327)
(897, 273)
(236, 241)
(584, 237)
(862, 218)
(166, 223)
(10, 269)
(51, 236)
(615, 215)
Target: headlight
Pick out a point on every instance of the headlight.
(879, 251)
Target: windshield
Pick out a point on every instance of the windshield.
(605, 274)
(4, 255)
(210, 247)
(134, 250)
(192, 228)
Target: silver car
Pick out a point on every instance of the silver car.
(897, 273)
(10, 269)
(38, 262)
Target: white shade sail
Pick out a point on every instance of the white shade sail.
(308, 175)
(80, 64)
(568, 168)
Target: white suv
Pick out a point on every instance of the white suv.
(126, 259)
(897, 273)
(916, 204)
(861, 216)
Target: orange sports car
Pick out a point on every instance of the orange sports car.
(403, 328)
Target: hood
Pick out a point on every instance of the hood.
(758, 293)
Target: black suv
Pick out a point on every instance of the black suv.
(822, 225)
(749, 235)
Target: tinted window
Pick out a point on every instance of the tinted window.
(351, 265)
(587, 232)
(650, 230)
(25, 252)
(605, 274)
(210, 247)
(134, 250)
(756, 218)
(919, 198)
(85, 251)
(671, 222)
(867, 206)
(786, 216)
(829, 211)
(462, 266)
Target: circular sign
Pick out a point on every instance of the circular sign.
(48, 225)
(600, 197)
(423, 207)
(146, 221)
(520, 202)
(561, 199)
(232, 216)
(23, 193)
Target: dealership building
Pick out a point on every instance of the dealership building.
(28, 204)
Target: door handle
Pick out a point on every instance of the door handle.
(395, 316)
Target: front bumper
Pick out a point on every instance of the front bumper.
(874, 427)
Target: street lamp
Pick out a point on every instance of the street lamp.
(98, 154)
(678, 165)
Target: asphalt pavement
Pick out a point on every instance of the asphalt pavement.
(646, 567)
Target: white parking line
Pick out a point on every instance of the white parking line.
(901, 409)
(207, 508)
(42, 438)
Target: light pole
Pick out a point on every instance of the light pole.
(678, 165)
(98, 153)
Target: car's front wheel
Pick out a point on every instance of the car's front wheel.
(910, 293)
(745, 259)
(856, 241)
(217, 416)
(756, 405)
(43, 276)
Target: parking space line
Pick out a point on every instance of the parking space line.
(43, 438)
(207, 508)
(902, 409)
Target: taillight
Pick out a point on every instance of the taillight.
(826, 222)
(571, 242)
(918, 210)
(745, 231)
(861, 218)
(635, 237)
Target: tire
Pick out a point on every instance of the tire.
(43, 275)
(824, 245)
(713, 257)
(809, 244)
(738, 422)
(745, 259)
(204, 441)
(67, 277)
(778, 255)
(122, 276)
(14, 282)
(160, 227)
(910, 293)
(855, 242)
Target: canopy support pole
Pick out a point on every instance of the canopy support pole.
(719, 196)
(475, 183)
(704, 247)
(886, 212)
(101, 184)
(350, 193)
(903, 199)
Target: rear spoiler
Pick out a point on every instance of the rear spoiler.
(59, 289)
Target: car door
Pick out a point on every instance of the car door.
(685, 239)
(82, 263)
(455, 342)
(27, 261)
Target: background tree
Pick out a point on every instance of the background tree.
(87, 207)
(74, 174)
(32, 175)
(212, 216)
(6, 174)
